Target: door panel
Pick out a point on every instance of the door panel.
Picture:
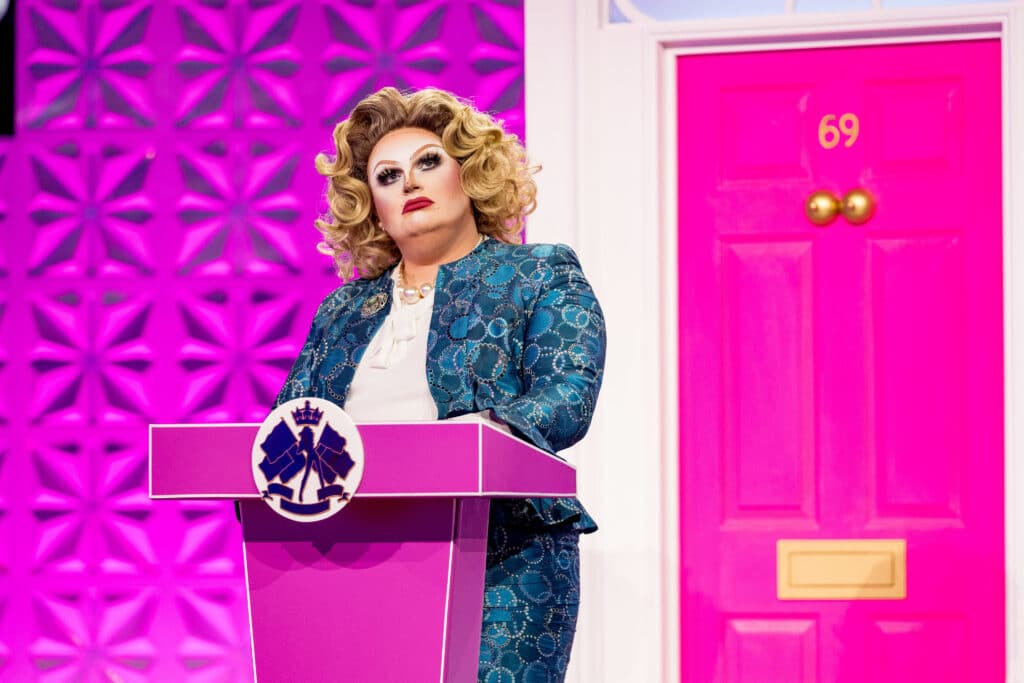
(915, 292)
(845, 381)
(784, 649)
(768, 386)
(918, 650)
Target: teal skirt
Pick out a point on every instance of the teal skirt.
(531, 599)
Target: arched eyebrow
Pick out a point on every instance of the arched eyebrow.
(414, 155)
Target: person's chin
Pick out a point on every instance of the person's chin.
(419, 228)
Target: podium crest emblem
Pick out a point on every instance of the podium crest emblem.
(307, 459)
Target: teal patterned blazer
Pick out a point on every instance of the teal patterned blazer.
(515, 329)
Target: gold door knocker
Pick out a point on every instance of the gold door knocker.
(822, 207)
(858, 206)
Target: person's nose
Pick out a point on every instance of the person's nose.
(410, 182)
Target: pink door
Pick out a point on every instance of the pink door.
(841, 382)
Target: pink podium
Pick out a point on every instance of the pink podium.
(391, 587)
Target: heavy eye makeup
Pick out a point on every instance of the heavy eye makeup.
(426, 162)
(388, 176)
(429, 160)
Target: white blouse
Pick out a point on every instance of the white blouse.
(390, 384)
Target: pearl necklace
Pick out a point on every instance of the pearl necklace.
(413, 295)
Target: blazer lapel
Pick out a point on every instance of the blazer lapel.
(349, 336)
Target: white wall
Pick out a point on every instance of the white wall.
(620, 632)
(641, 11)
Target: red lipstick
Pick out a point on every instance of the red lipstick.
(417, 203)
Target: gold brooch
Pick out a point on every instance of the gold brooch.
(374, 304)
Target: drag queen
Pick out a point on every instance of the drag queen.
(445, 315)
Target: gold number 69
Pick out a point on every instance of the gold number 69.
(829, 134)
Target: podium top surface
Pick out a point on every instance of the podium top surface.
(402, 460)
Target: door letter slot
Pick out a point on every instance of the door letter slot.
(842, 569)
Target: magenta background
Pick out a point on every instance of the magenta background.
(157, 264)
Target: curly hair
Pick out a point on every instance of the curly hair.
(494, 172)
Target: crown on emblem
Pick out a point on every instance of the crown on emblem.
(307, 415)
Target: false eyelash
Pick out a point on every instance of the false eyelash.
(431, 157)
(387, 176)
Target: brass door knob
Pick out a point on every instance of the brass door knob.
(858, 206)
(822, 207)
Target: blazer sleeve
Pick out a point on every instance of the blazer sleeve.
(563, 358)
(299, 381)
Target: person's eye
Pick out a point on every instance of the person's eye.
(429, 161)
(388, 176)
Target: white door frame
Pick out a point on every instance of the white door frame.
(600, 117)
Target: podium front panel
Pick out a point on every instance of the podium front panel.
(365, 595)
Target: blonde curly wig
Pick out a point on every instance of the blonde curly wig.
(494, 172)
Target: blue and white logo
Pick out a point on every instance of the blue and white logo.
(307, 459)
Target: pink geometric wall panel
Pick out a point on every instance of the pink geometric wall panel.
(158, 264)
(841, 384)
